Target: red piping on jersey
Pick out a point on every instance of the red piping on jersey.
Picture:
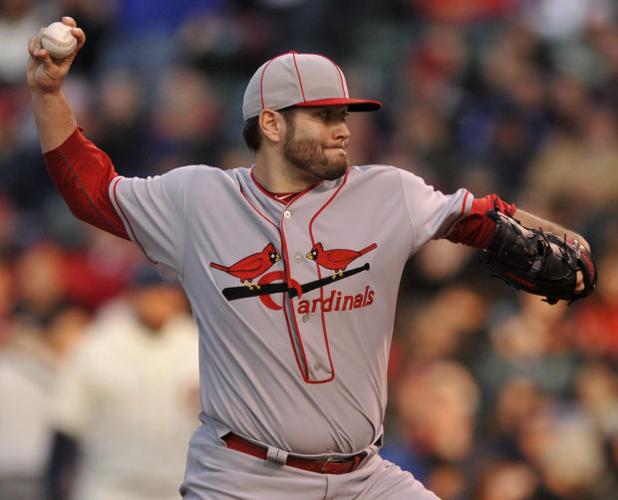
(305, 373)
(92, 173)
(286, 263)
(330, 360)
(315, 216)
(128, 223)
(257, 209)
(304, 366)
(284, 255)
(345, 179)
(272, 196)
(304, 370)
(322, 315)
(300, 80)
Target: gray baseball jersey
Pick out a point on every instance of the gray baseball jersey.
(294, 303)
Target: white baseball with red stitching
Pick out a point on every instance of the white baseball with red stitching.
(58, 40)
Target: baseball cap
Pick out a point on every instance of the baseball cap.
(305, 80)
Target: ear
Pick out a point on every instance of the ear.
(272, 125)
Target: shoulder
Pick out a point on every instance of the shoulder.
(373, 170)
(375, 175)
(206, 174)
(382, 174)
(197, 172)
(191, 173)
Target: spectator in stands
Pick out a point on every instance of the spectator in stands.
(126, 403)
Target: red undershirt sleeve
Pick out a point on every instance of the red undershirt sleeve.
(476, 228)
(82, 172)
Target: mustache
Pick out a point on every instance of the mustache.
(342, 144)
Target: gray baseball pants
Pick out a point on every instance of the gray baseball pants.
(215, 472)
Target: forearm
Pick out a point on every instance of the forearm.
(54, 119)
(534, 222)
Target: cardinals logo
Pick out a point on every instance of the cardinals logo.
(338, 259)
(257, 282)
(249, 268)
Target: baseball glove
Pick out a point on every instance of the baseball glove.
(538, 262)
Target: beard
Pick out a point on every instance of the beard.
(308, 156)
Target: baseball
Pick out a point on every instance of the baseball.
(58, 40)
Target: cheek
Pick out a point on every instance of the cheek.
(310, 131)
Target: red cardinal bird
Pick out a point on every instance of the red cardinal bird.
(251, 267)
(337, 259)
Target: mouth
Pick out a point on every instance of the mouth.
(338, 150)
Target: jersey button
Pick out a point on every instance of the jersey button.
(298, 257)
(305, 318)
(287, 214)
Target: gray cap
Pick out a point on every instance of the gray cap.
(293, 79)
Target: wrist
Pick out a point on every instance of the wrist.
(38, 93)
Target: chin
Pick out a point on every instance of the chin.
(333, 172)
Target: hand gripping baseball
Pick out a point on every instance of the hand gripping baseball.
(538, 262)
(45, 74)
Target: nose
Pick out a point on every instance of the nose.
(341, 131)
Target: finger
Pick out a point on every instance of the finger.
(37, 43)
(80, 35)
(69, 21)
(31, 45)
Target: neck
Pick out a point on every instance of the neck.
(278, 176)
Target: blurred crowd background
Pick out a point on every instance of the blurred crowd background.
(493, 395)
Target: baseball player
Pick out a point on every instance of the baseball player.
(292, 268)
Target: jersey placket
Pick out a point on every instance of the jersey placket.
(307, 330)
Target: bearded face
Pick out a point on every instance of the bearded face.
(310, 155)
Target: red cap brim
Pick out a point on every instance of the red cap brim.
(352, 104)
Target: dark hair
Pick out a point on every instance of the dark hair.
(251, 130)
(251, 133)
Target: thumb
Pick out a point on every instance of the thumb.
(56, 70)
